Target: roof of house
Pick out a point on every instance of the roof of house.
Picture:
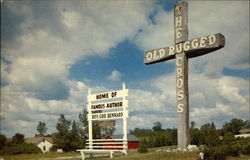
(37, 140)
(244, 131)
(131, 138)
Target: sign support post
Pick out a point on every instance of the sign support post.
(125, 110)
(90, 123)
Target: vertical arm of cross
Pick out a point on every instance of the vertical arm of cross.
(181, 35)
(90, 122)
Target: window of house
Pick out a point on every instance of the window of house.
(44, 148)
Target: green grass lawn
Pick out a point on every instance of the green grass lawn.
(46, 156)
(132, 155)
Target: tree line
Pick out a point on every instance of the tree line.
(217, 143)
(16, 145)
(72, 135)
(207, 134)
(68, 137)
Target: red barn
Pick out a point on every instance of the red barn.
(133, 142)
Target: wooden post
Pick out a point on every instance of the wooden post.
(90, 123)
(182, 96)
(125, 110)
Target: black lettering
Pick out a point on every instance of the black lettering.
(114, 105)
(98, 106)
(102, 96)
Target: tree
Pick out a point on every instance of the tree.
(62, 137)
(174, 136)
(83, 117)
(140, 132)
(210, 135)
(107, 130)
(3, 140)
(41, 128)
(192, 125)
(143, 147)
(233, 126)
(18, 138)
(196, 136)
(157, 126)
(96, 130)
(75, 139)
(83, 125)
(228, 138)
(247, 124)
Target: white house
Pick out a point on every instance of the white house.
(243, 133)
(44, 143)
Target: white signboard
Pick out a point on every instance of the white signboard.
(103, 102)
(109, 115)
(108, 105)
(108, 95)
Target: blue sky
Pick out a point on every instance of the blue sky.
(53, 51)
(125, 59)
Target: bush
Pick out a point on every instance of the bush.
(142, 148)
(18, 138)
(53, 148)
(218, 152)
(207, 152)
(246, 148)
(234, 149)
(3, 140)
(221, 152)
(228, 138)
(20, 149)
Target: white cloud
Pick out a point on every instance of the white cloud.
(231, 93)
(21, 113)
(4, 72)
(145, 106)
(45, 43)
(157, 35)
(210, 99)
(114, 76)
(235, 28)
(41, 57)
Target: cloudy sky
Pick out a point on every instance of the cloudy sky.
(53, 51)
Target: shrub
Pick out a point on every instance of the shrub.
(20, 149)
(142, 148)
(18, 138)
(228, 138)
(207, 152)
(220, 152)
(53, 148)
(2, 141)
(217, 152)
(233, 149)
(246, 148)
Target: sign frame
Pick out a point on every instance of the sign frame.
(109, 97)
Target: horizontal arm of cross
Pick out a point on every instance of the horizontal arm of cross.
(192, 48)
